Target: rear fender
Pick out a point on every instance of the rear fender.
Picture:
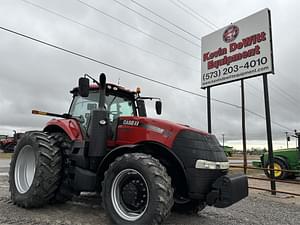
(68, 126)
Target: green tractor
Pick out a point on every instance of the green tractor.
(284, 159)
(228, 150)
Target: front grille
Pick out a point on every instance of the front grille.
(190, 146)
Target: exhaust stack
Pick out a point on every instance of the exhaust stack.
(99, 124)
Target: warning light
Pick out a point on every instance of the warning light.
(138, 90)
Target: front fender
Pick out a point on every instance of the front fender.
(166, 157)
(110, 156)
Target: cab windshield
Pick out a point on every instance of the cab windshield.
(115, 105)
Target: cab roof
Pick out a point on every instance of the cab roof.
(109, 87)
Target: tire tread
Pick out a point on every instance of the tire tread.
(163, 188)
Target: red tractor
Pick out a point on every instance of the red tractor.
(7, 144)
(142, 167)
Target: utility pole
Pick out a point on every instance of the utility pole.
(223, 137)
(297, 134)
(296, 138)
(287, 139)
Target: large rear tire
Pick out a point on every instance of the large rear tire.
(35, 170)
(65, 191)
(137, 190)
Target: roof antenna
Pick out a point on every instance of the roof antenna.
(119, 81)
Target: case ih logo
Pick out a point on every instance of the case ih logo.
(230, 33)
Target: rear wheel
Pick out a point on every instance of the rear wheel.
(35, 170)
(64, 191)
(278, 165)
(137, 190)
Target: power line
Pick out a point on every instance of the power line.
(271, 99)
(129, 72)
(108, 35)
(289, 97)
(197, 18)
(256, 95)
(198, 14)
(278, 91)
(110, 65)
(158, 24)
(139, 30)
(274, 122)
(122, 41)
(257, 114)
(166, 20)
(212, 25)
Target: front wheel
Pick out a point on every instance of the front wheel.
(137, 190)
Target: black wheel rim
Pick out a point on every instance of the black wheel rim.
(130, 194)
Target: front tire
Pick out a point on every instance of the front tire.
(137, 190)
(35, 170)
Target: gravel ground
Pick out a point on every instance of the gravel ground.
(257, 209)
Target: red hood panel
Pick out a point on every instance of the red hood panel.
(138, 129)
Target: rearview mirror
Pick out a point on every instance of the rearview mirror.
(158, 106)
(84, 85)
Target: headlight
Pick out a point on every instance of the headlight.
(204, 164)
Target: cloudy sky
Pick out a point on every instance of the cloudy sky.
(35, 76)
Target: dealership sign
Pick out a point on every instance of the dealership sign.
(240, 50)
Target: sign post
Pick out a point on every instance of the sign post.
(244, 127)
(239, 51)
(208, 111)
(269, 133)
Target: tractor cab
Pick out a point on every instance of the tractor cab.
(118, 101)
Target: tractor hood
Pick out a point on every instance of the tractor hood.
(150, 129)
(187, 143)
